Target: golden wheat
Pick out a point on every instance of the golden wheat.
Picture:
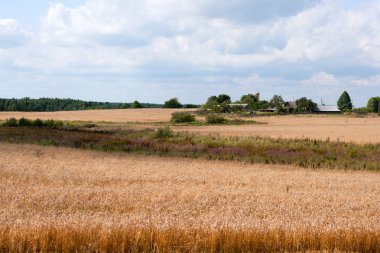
(344, 128)
(117, 115)
(45, 186)
(340, 127)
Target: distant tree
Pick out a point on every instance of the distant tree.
(252, 100)
(344, 102)
(305, 105)
(136, 104)
(263, 104)
(172, 103)
(190, 106)
(278, 103)
(373, 104)
(222, 98)
(218, 103)
(212, 100)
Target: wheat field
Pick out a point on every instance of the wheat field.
(335, 127)
(320, 127)
(117, 115)
(70, 198)
(56, 186)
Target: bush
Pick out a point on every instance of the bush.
(182, 117)
(24, 122)
(215, 119)
(163, 132)
(172, 103)
(52, 123)
(12, 122)
(38, 123)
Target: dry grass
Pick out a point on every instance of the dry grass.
(70, 191)
(339, 127)
(344, 128)
(126, 115)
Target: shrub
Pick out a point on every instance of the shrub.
(38, 123)
(163, 132)
(24, 122)
(52, 123)
(172, 103)
(12, 122)
(182, 117)
(215, 119)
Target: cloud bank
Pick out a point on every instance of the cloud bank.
(152, 50)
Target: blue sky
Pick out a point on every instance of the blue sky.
(122, 50)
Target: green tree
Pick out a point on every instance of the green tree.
(344, 102)
(278, 103)
(172, 103)
(373, 104)
(222, 98)
(252, 100)
(136, 104)
(305, 105)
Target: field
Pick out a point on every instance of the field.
(86, 189)
(343, 128)
(120, 116)
(45, 187)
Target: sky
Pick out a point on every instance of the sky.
(153, 50)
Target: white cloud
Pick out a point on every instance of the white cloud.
(289, 45)
(11, 34)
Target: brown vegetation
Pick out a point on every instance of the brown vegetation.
(342, 127)
(118, 115)
(320, 127)
(304, 153)
(57, 199)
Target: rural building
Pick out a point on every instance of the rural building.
(327, 109)
(267, 110)
(238, 106)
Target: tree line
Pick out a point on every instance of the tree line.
(58, 104)
(221, 103)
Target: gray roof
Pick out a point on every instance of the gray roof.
(235, 104)
(327, 108)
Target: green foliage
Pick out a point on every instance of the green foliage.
(163, 132)
(23, 122)
(188, 106)
(182, 117)
(223, 98)
(54, 104)
(12, 122)
(136, 105)
(278, 103)
(344, 102)
(374, 104)
(219, 104)
(172, 103)
(215, 119)
(251, 100)
(305, 105)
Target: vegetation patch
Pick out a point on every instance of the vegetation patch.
(69, 239)
(163, 142)
(182, 117)
(23, 122)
